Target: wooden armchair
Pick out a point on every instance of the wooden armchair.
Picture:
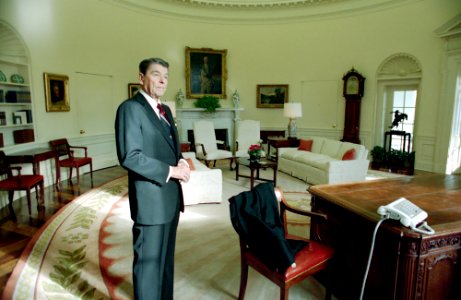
(206, 144)
(66, 159)
(20, 182)
(310, 259)
(248, 133)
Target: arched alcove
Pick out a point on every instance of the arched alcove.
(398, 66)
(12, 48)
(15, 96)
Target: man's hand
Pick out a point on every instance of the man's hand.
(181, 172)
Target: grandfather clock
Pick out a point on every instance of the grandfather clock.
(353, 92)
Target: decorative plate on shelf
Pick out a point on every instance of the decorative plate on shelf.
(2, 76)
(16, 78)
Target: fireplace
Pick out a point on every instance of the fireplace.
(223, 120)
(221, 135)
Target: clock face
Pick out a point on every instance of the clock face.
(352, 86)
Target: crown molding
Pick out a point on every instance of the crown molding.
(451, 28)
(254, 11)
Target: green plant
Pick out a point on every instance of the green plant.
(209, 103)
(378, 153)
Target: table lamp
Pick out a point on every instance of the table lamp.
(292, 111)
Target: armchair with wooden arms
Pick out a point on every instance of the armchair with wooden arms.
(309, 259)
(66, 159)
(20, 182)
(206, 144)
(248, 133)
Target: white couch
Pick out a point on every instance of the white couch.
(204, 185)
(324, 164)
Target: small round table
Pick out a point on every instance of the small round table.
(254, 168)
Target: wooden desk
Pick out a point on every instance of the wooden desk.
(405, 265)
(35, 156)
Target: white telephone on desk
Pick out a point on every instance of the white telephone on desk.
(408, 214)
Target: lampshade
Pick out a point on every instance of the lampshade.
(293, 110)
(172, 106)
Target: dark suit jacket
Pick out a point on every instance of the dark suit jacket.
(255, 216)
(146, 150)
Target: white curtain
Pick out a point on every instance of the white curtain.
(454, 150)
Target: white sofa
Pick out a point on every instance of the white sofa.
(324, 164)
(204, 185)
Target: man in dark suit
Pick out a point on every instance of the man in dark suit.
(148, 147)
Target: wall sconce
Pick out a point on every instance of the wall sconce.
(292, 111)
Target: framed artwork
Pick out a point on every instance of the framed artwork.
(271, 95)
(56, 92)
(133, 89)
(206, 73)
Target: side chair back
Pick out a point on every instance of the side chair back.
(67, 159)
(257, 226)
(20, 182)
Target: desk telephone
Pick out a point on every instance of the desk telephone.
(408, 214)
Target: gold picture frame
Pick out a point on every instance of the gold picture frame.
(56, 92)
(271, 95)
(206, 73)
(133, 88)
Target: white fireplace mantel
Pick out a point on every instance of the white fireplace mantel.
(221, 118)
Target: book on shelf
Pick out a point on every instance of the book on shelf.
(2, 118)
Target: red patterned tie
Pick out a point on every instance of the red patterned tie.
(162, 113)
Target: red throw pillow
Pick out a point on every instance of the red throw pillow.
(191, 164)
(349, 154)
(305, 145)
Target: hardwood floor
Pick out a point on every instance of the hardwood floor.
(16, 230)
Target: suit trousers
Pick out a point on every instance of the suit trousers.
(153, 264)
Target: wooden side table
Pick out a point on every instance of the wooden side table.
(279, 142)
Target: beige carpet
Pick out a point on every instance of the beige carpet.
(85, 250)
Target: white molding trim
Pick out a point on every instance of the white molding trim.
(255, 11)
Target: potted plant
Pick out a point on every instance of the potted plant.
(379, 157)
(402, 162)
(255, 152)
(209, 103)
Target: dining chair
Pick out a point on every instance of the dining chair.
(20, 182)
(67, 159)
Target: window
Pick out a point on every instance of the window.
(402, 99)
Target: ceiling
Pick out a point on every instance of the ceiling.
(255, 11)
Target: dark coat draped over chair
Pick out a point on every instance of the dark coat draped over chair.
(265, 244)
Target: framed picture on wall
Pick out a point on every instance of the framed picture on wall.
(206, 72)
(56, 92)
(271, 95)
(133, 89)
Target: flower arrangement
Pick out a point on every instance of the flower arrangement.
(255, 150)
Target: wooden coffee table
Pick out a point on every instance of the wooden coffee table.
(254, 168)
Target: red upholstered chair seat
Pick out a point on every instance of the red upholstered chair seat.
(20, 182)
(26, 182)
(74, 162)
(310, 258)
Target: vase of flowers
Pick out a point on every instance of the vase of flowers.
(255, 153)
